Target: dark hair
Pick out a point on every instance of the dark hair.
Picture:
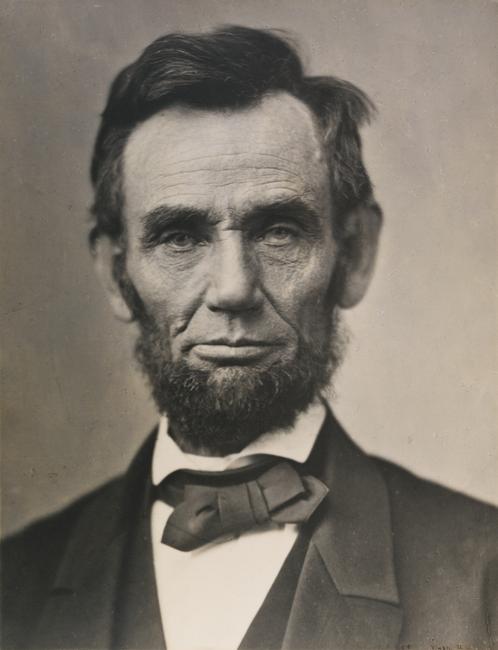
(229, 68)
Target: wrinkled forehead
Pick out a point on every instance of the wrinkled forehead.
(183, 155)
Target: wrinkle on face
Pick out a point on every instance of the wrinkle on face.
(177, 161)
(223, 164)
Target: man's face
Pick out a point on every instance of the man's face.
(229, 237)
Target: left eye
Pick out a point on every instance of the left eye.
(278, 236)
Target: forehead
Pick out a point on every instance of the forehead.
(225, 160)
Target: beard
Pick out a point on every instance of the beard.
(219, 412)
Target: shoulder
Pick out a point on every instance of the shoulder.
(43, 539)
(30, 557)
(429, 504)
(58, 524)
(33, 559)
(39, 545)
(438, 530)
(445, 550)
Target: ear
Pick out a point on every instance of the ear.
(105, 252)
(359, 244)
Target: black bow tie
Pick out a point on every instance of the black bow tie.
(210, 505)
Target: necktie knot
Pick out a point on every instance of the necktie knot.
(238, 501)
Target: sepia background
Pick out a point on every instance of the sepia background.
(419, 384)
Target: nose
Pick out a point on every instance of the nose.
(233, 277)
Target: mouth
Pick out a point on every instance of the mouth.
(233, 351)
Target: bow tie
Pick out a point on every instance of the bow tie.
(211, 505)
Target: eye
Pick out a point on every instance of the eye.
(180, 241)
(278, 236)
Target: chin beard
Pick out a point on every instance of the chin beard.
(220, 412)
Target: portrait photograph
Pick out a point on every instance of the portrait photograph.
(249, 331)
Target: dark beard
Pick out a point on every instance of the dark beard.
(222, 414)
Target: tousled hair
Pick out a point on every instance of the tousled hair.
(229, 68)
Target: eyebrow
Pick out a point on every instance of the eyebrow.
(294, 208)
(167, 217)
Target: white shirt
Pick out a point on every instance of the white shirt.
(209, 597)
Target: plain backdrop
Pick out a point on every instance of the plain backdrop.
(419, 384)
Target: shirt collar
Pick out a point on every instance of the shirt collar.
(294, 443)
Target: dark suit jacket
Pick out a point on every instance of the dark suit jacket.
(391, 561)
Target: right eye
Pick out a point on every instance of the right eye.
(180, 241)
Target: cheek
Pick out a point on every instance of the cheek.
(300, 295)
(159, 288)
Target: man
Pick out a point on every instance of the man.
(234, 219)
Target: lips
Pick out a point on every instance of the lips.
(238, 350)
(235, 343)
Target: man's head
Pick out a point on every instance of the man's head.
(233, 218)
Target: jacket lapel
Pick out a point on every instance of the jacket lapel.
(346, 595)
(80, 609)
(137, 616)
